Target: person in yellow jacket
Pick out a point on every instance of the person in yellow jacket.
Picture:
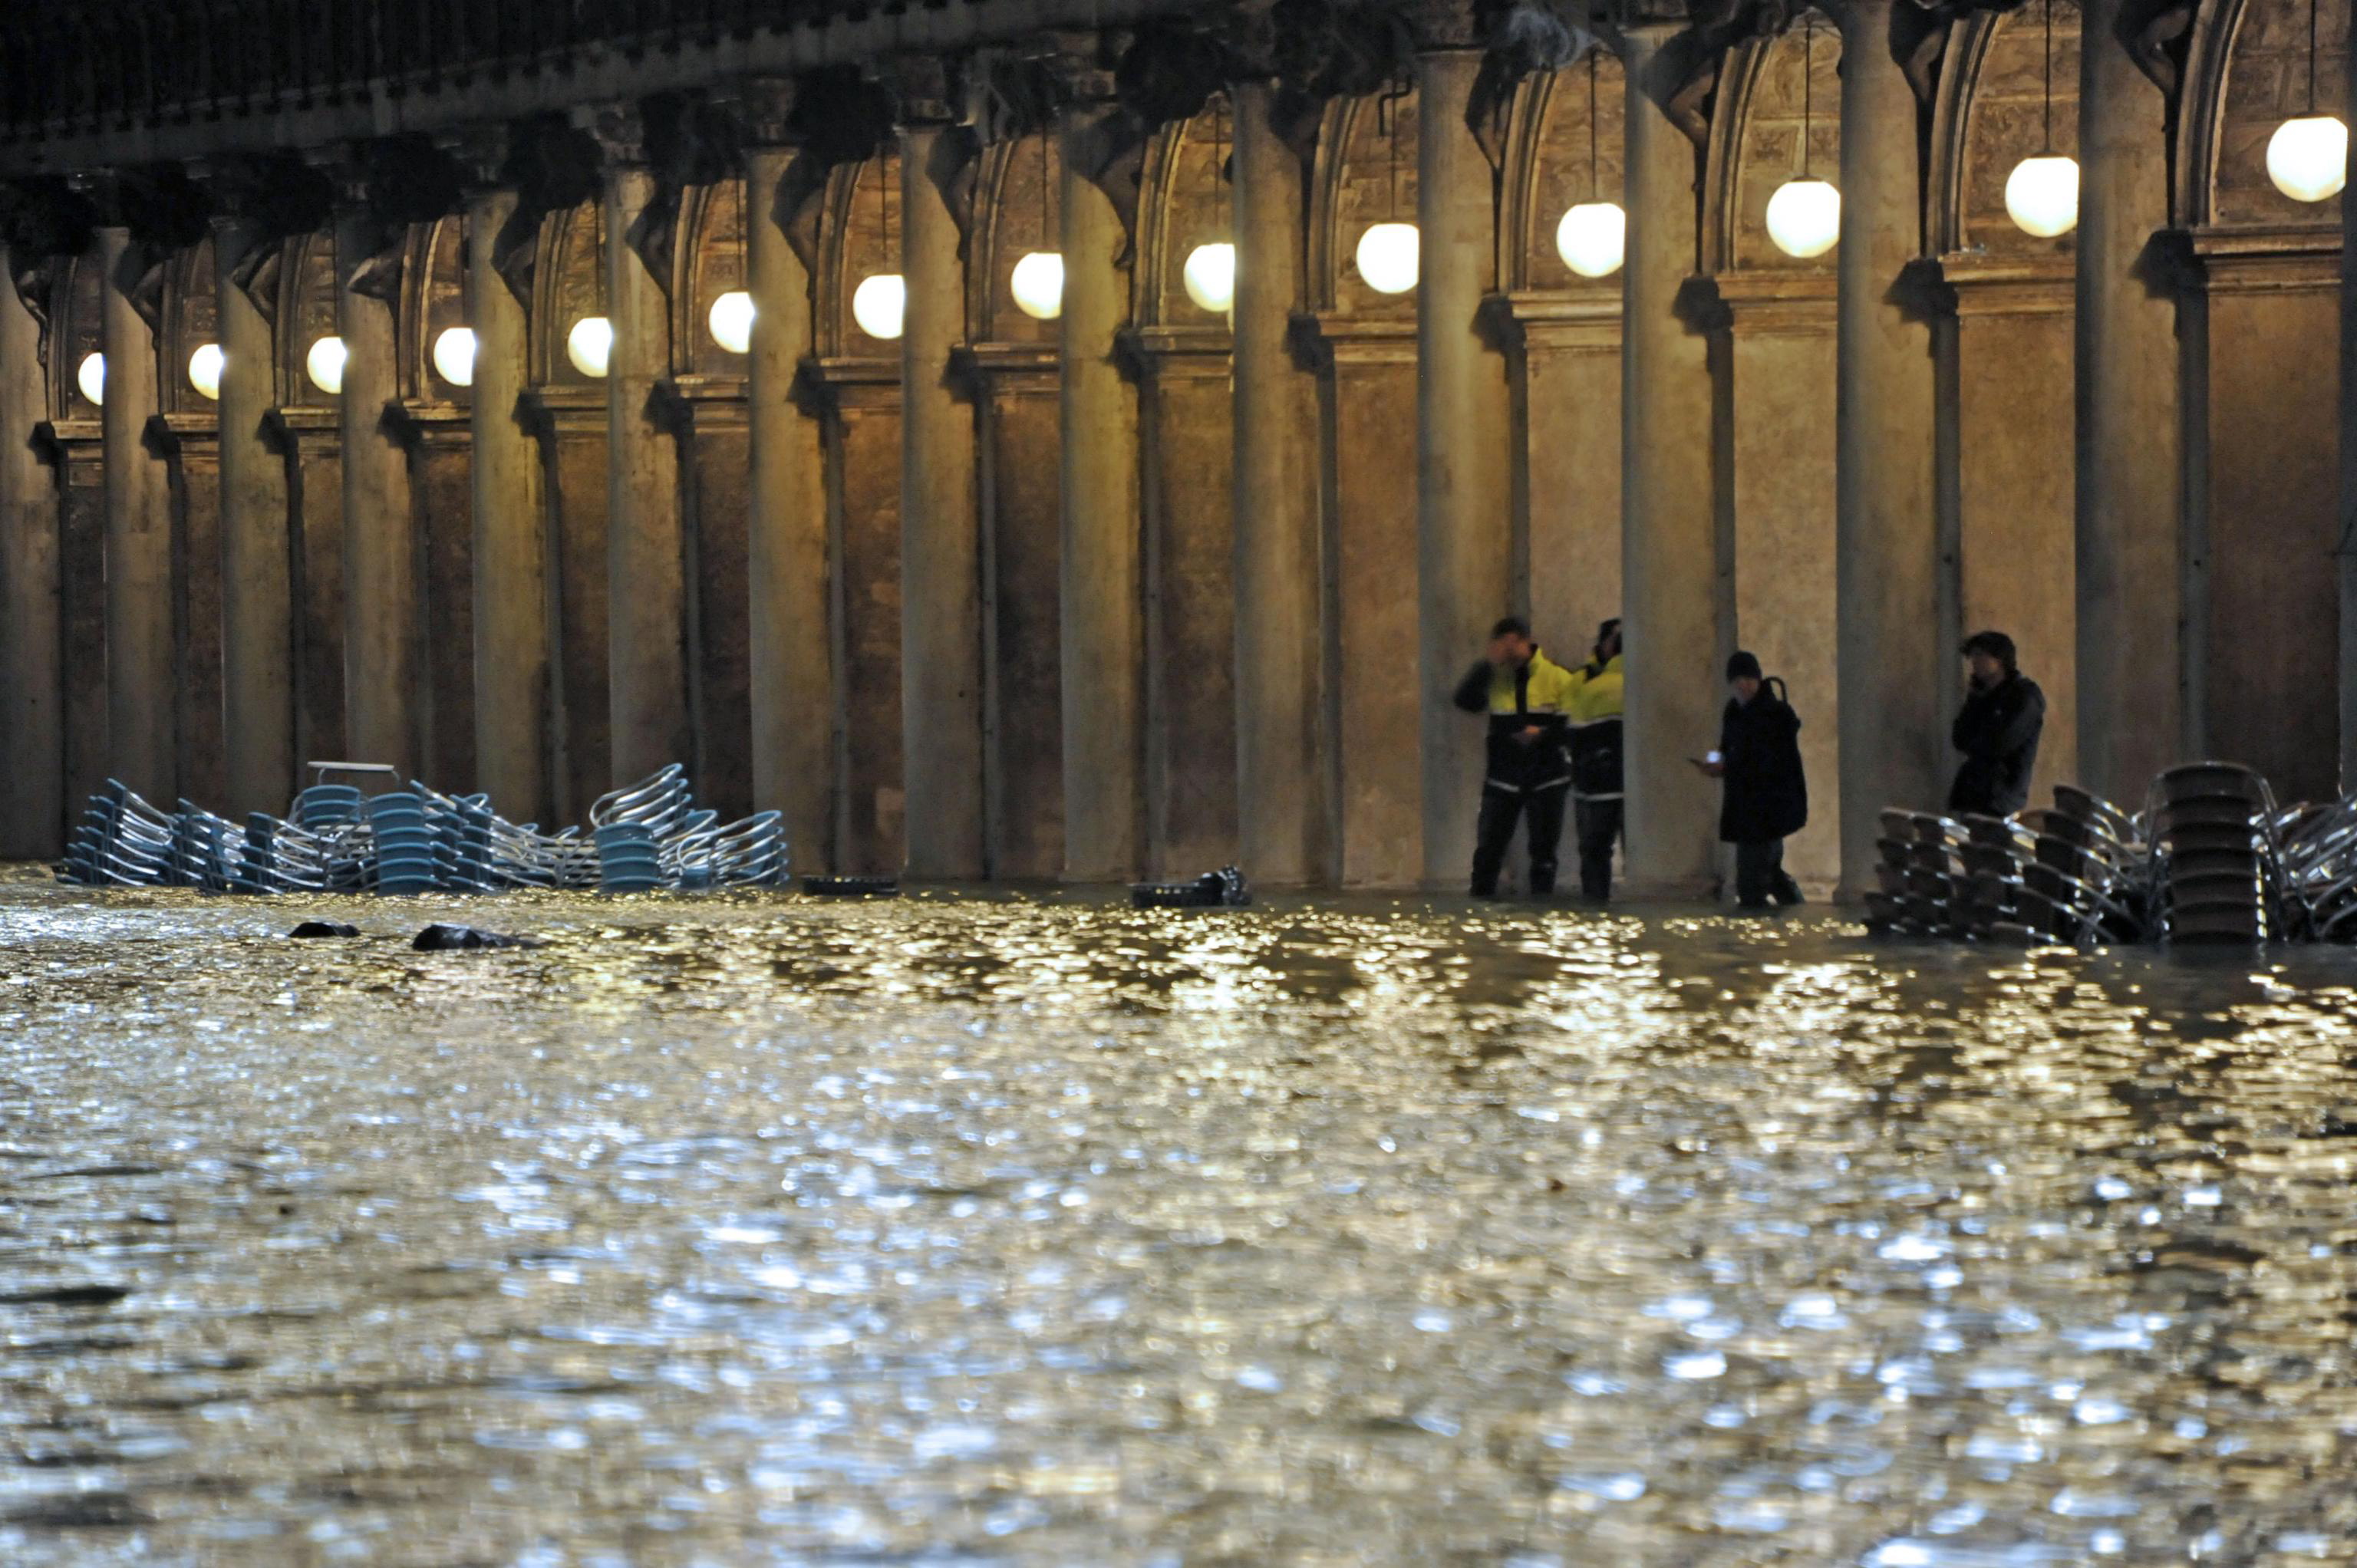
(1527, 696)
(1594, 722)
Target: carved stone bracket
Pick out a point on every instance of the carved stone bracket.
(623, 133)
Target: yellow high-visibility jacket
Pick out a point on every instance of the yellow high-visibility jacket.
(1535, 694)
(1593, 716)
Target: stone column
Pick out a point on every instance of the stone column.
(1465, 527)
(257, 563)
(786, 551)
(32, 687)
(1669, 545)
(2130, 488)
(1282, 812)
(2348, 547)
(382, 720)
(1103, 593)
(646, 605)
(1897, 683)
(510, 533)
(140, 673)
(941, 568)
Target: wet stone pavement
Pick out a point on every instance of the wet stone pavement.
(1035, 1230)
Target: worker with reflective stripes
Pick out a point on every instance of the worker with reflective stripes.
(1594, 721)
(1527, 696)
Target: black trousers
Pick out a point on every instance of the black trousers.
(1759, 875)
(1600, 831)
(1501, 809)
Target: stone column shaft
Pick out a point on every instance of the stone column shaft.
(140, 673)
(2130, 485)
(1281, 751)
(32, 690)
(646, 604)
(382, 717)
(786, 551)
(940, 540)
(1465, 529)
(1669, 546)
(257, 565)
(2347, 549)
(510, 533)
(1897, 683)
(1102, 563)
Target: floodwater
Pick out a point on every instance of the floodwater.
(1035, 1230)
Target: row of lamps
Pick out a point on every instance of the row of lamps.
(2308, 160)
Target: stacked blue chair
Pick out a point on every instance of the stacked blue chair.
(629, 860)
(401, 845)
(121, 841)
(201, 855)
(280, 858)
(750, 853)
(461, 826)
(335, 839)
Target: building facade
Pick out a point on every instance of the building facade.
(824, 502)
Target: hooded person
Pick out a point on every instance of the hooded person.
(1766, 795)
(1526, 696)
(1997, 731)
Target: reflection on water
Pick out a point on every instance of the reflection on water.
(945, 1232)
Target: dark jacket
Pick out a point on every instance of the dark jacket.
(1535, 693)
(1998, 732)
(1767, 793)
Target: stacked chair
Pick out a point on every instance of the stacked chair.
(2086, 880)
(401, 844)
(651, 836)
(2212, 860)
(2319, 863)
(1921, 872)
(2218, 873)
(629, 859)
(121, 841)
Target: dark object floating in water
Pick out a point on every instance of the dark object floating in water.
(853, 887)
(81, 1510)
(1220, 889)
(309, 929)
(459, 939)
(68, 1295)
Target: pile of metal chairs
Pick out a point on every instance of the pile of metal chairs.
(2211, 859)
(334, 838)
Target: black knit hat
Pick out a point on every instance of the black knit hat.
(1740, 665)
(1996, 644)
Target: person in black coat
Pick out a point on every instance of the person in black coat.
(1767, 791)
(1997, 731)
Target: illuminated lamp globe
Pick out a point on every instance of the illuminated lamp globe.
(1039, 285)
(2042, 195)
(731, 319)
(1387, 257)
(1210, 276)
(1592, 239)
(1804, 218)
(880, 306)
(325, 365)
(590, 345)
(454, 356)
(2308, 158)
(90, 377)
(205, 370)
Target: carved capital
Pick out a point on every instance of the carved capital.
(928, 90)
(765, 106)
